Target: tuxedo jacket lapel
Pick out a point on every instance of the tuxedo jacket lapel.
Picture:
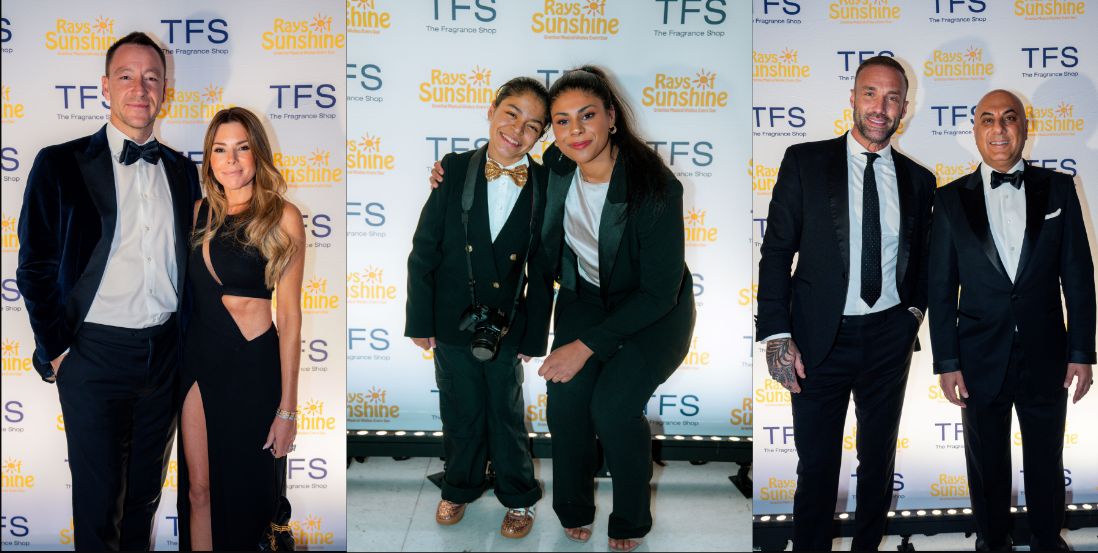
(182, 207)
(97, 170)
(1036, 188)
(975, 211)
(612, 225)
(837, 188)
(906, 189)
(552, 233)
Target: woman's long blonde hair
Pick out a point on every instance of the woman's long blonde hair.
(261, 219)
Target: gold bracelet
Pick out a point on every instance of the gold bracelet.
(286, 415)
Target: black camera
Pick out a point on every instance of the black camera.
(489, 326)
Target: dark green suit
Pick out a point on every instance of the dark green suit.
(638, 322)
(480, 402)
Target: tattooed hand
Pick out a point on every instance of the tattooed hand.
(783, 359)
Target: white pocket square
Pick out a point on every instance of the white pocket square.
(1052, 215)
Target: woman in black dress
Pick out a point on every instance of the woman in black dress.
(240, 372)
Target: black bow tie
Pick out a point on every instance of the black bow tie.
(149, 152)
(1015, 179)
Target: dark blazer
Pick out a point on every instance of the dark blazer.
(645, 283)
(438, 289)
(974, 306)
(65, 231)
(809, 216)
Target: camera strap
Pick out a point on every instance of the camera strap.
(471, 176)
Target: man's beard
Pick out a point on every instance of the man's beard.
(874, 135)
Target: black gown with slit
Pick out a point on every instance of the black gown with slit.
(240, 384)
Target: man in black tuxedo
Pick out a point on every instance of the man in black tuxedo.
(103, 237)
(858, 214)
(1006, 241)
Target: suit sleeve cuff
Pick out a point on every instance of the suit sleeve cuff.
(1083, 357)
(603, 346)
(777, 336)
(947, 366)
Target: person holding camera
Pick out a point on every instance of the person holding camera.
(466, 277)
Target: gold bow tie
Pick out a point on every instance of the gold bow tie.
(493, 171)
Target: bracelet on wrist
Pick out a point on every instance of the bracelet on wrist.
(286, 415)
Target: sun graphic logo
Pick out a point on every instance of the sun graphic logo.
(363, 16)
(70, 37)
(14, 364)
(191, 106)
(308, 170)
(458, 89)
(311, 419)
(314, 35)
(945, 173)
(309, 531)
(778, 66)
(697, 232)
(9, 233)
(684, 93)
(12, 111)
(845, 122)
(863, 11)
(366, 157)
(1053, 120)
(315, 297)
(368, 286)
(371, 406)
(958, 65)
(950, 486)
(15, 479)
(574, 20)
(1049, 9)
(763, 177)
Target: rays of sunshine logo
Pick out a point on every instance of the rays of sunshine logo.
(70, 37)
(309, 170)
(958, 65)
(780, 66)
(311, 419)
(845, 122)
(369, 286)
(863, 11)
(171, 477)
(310, 532)
(1058, 120)
(372, 405)
(574, 20)
(850, 441)
(9, 233)
(15, 478)
(460, 89)
(1049, 9)
(536, 413)
(772, 393)
(684, 93)
(363, 16)
(314, 35)
(191, 106)
(950, 487)
(778, 490)
(763, 177)
(315, 297)
(698, 357)
(12, 110)
(945, 173)
(366, 156)
(14, 364)
(697, 232)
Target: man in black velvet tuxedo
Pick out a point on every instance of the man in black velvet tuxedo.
(103, 237)
(858, 214)
(1007, 240)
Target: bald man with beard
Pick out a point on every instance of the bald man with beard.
(1006, 240)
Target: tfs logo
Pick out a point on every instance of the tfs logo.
(315, 350)
(9, 290)
(1041, 57)
(372, 213)
(451, 10)
(5, 30)
(954, 6)
(315, 468)
(214, 31)
(367, 75)
(550, 75)
(951, 116)
(82, 94)
(454, 144)
(699, 284)
(785, 7)
(950, 432)
(296, 96)
(700, 153)
(853, 58)
(319, 225)
(13, 412)
(376, 339)
(897, 481)
(685, 405)
(711, 11)
(9, 160)
(15, 525)
(779, 435)
(778, 116)
(1066, 165)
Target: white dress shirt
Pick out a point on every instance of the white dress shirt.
(888, 191)
(141, 278)
(502, 195)
(582, 217)
(1006, 214)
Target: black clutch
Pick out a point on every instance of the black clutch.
(278, 536)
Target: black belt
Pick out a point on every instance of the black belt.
(873, 318)
(93, 329)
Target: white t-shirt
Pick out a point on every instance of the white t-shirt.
(582, 217)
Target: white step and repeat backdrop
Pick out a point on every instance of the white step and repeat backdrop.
(805, 54)
(284, 62)
(421, 76)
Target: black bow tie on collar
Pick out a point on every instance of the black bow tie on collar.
(149, 152)
(1015, 179)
